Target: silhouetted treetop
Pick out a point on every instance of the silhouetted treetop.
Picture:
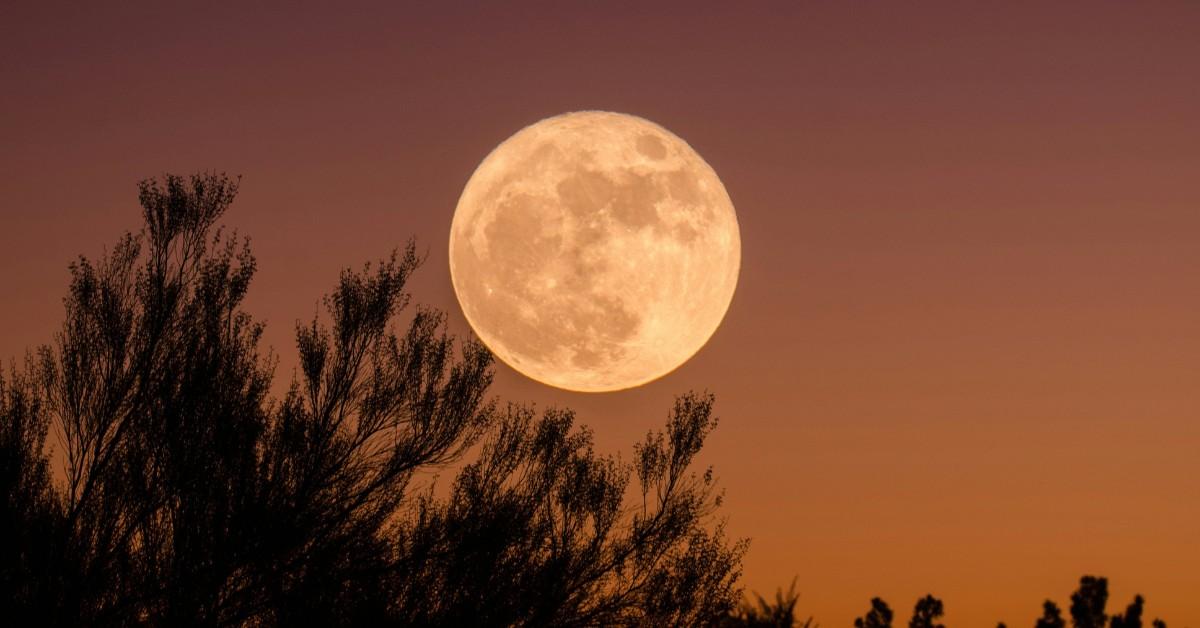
(880, 616)
(1088, 608)
(1132, 618)
(1051, 616)
(1087, 603)
(926, 613)
(191, 496)
(781, 613)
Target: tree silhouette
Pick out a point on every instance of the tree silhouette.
(30, 517)
(191, 496)
(880, 616)
(1087, 603)
(566, 557)
(926, 613)
(781, 613)
(1051, 616)
(1087, 608)
(1132, 618)
(929, 609)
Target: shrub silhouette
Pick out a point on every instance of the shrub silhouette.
(763, 614)
(926, 613)
(1087, 603)
(1051, 616)
(1132, 618)
(1088, 607)
(880, 616)
(193, 497)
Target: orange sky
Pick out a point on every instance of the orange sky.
(963, 357)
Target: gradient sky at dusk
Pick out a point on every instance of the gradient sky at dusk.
(964, 353)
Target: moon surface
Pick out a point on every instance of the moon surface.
(594, 251)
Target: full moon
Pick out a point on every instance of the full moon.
(594, 251)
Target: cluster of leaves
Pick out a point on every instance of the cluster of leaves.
(192, 496)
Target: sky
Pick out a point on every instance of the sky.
(963, 354)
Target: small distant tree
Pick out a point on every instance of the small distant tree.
(926, 613)
(1088, 602)
(880, 616)
(1132, 618)
(1051, 616)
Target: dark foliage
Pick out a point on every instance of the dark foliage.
(1087, 604)
(534, 534)
(926, 613)
(1087, 609)
(780, 613)
(880, 616)
(191, 496)
(1132, 618)
(30, 519)
(1051, 616)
